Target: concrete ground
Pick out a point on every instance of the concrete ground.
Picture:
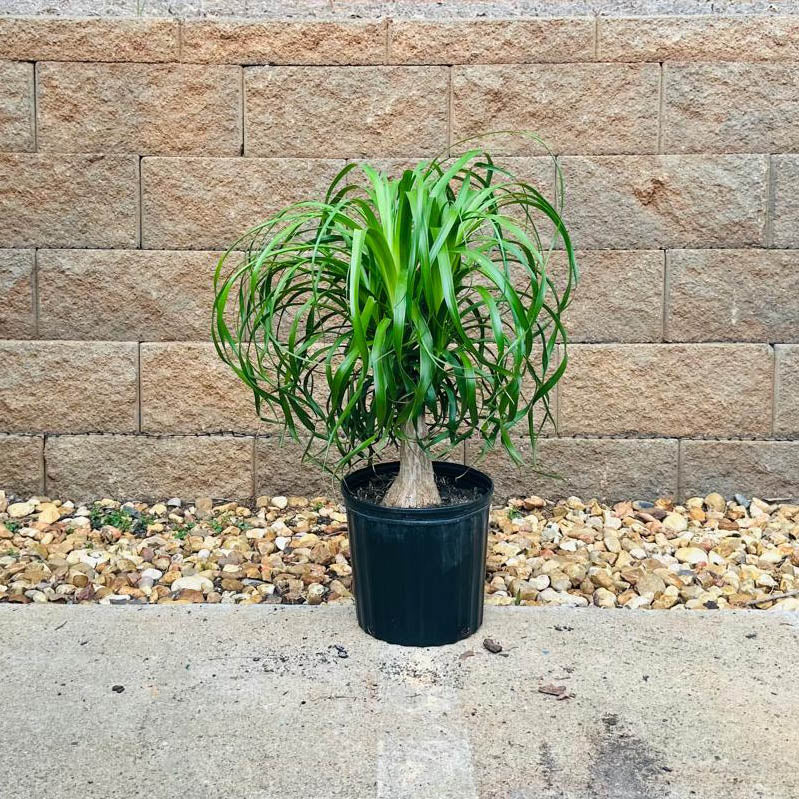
(224, 702)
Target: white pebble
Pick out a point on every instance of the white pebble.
(195, 582)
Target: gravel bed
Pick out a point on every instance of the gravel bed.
(709, 553)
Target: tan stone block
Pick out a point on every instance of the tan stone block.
(229, 41)
(605, 468)
(665, 200)
(732, 295)
(279, 470)
(149, 467)
(743, 108)
(766, 469)
(64, 39)
(49, 200)
(786, 406)
(597, 108)
(187, 388)
(541, 172)
(126, 295)
(762, 37)
(785, 169)
(21, 464)
(167, 109)
(667, 390)
(16, 294)
(208, 203)
(75, 386)
(16, 106)
(326, 112)
(491, 41)
(619, 296)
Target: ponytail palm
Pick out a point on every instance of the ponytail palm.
(414, 311)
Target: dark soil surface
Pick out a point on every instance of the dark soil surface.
(450, 489)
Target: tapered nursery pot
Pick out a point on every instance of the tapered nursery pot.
(418, 573)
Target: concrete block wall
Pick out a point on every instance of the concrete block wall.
(134, 150)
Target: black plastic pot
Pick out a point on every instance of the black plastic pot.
(418, 573)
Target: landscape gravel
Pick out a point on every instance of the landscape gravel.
(707, 553)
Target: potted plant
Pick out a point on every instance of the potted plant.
(405, 313)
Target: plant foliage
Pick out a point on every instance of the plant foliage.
(430, 296)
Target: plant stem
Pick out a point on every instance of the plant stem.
(415, 485)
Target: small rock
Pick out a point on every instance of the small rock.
(48, 513)
(765, 507)
(765, 580)
(697, 514)
(675, 522)
(603, 598)
(280, 502)
(316, 593)
(203, 506)
(19, 509)
(533, 503)
(552, 597)
(715, 502)
(559, 581)
(637, 602)
(771, 557)
(665, 601)
(603, 579)
(524, 591)
(492, 646)
(507, 549)
(691, 555)
(558, 691)
(650, 585)
(191, 595)
(789, 603)
(193, 583)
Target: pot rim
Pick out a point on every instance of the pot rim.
(474, 477)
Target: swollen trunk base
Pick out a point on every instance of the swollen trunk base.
(419, 573)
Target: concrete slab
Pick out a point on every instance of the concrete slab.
(258, 703)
